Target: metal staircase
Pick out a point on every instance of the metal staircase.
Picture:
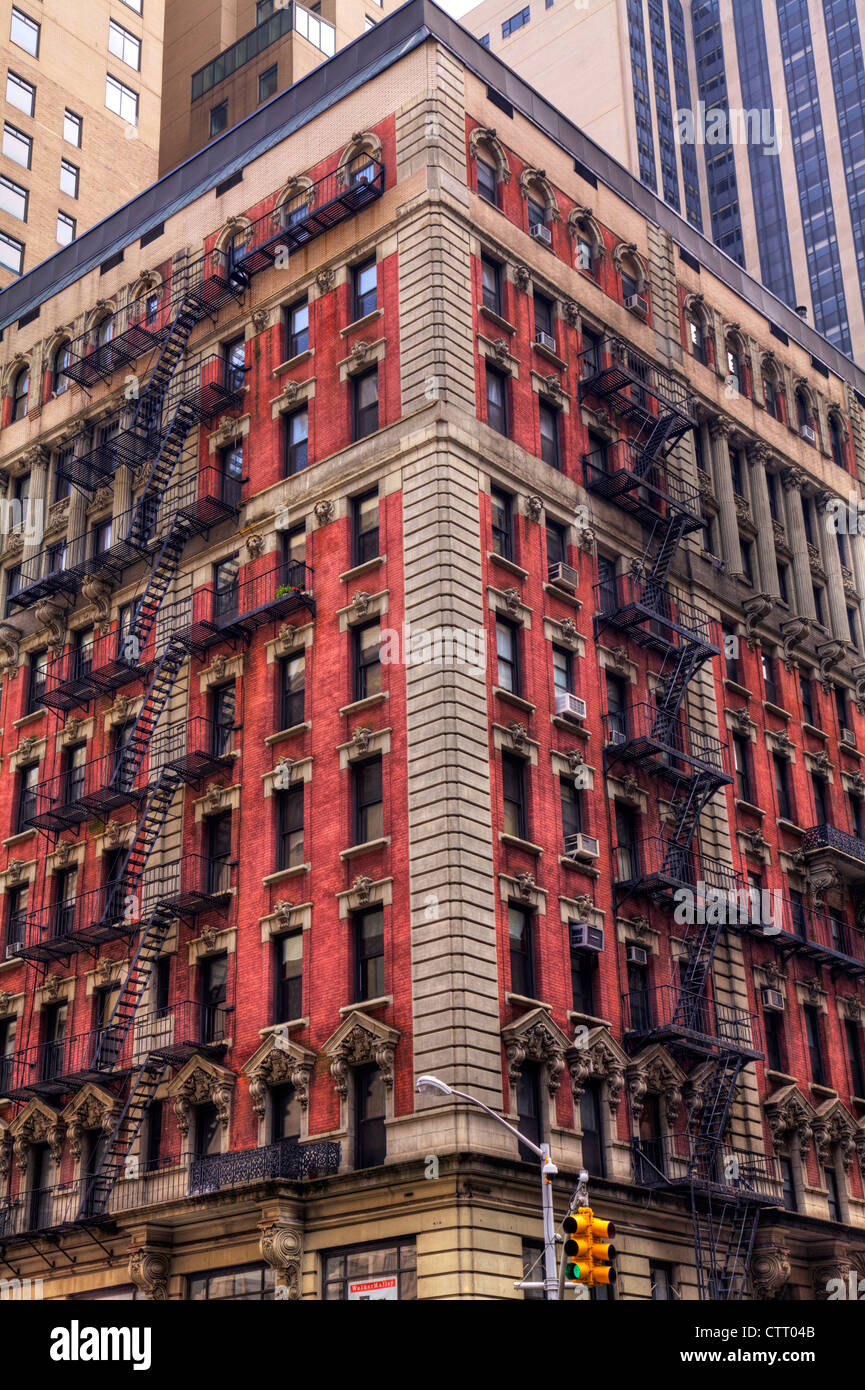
(656, 412)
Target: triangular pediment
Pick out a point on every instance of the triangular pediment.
(357, 1019)
(89, 1106)
(36, 1118)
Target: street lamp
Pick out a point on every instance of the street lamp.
(431, 1085)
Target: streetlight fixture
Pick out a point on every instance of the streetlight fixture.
(432, 1085)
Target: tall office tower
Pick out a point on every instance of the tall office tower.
(389, 684)
(780, 186)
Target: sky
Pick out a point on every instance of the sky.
(457, 8)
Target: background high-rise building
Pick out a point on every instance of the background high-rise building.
(788, 202)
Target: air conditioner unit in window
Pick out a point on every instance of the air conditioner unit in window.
(637, 305)
(542, 233)
(773, 999)
(583, 846)
(570, 705)
(808, 433)
(545, 340)
(848, 736)
(584, 257)
(585, 937)
(635, 955)
(618, 736)
(563, 576)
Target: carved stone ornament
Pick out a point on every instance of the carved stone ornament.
(209, 938)
(218, 667)
(25, 748)
(282, 911)
(360, 602)
(10, 649)
(121, 709)
(756, 844)
(536, 1038)
(822, 761)
(792, 1116)
(290, 391)
(655, 1074)
(575, 758)
(513, 600)
(568, 630)
(584, 905)
(280, 1067)
(519, 736)
(52, 987)
(603, 1060)
(5, 1002)
(586, 539)
(201, 1087)
(71, 730)
(755, 610)
(742, 719)
(793, 632)
(640, 924)
(324, 512)
(14, 871)
(770, 1271)
(325, 279)
(501, 348)
(359, 1047)
(93, 1113)
(534, 507)
(361, 887)
(360, 351)
(149, 1270)
(260, 319)
(829, 654)
(281, 1247)
(254, 545)
(114, 833)
(360, 737)
(287, 634)
(213, 797)
(52, 617)
(522, 279)
(571, 313)
(526, 886)
(63, 852)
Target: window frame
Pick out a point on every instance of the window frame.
(17, 81)
(125, 94)
(364, 991)
(365, 418)
(126, 40)
(28, 23)
(363, 301)
(364, 803)
(514, 795)
(21, 137)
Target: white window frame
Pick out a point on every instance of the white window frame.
(64, 165)
(27, 23)
(20, 136)
(121, 43)
(123, 96)
(17, 190)
(62, 219)
(6, 240)
(16, 83)
(72, 118)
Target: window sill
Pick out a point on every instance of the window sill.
(749, 807)
(817, 733)
(357, 570)
(281, 1027)
(828, 1092)
(776, 709)
(582, 866)
(286, 873)
(790, 825)
(564, 595)
(550, 356)
(496, 318)
(366, 848)
(522, 1001)
(571, 725)
(781, 1077)
(739, 689)
(509, 565)
(575, 1017)
(361, 322)
(20, 837)
(294, 362)
(514, 842)
(513, 699)
(28, 718)
(369, 703)
(287, 733)
(858, 1100)
(380, 1002)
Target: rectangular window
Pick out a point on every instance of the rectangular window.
(516, 21)
(69, 178)
(832, 1193)
(537, 214)
(854, 1057)
(639, 998)
(24, 32)
(508, 657)
(218, 841)
(806, 686)
(223, 703)
(788, 1185)
(769, 683)
(521, 948)
(20, 93)
(214, 995)
(72, 128)
(773, 1029)
(285, 1113)
(368, 806)
(16, 919)
(13, 198)
(742, 759)
(364, 404)
(65, 228)
(369, 953)
(289, 809)
(514, 795)
(491, 282)
(497, 399)
(289, 976)
(563, 671)
(372, 1272)
(38, 676)
(502, 519)
(133, 5)
(782, 786)
(268, 82)
(8, 1028)
(11, 254)
(583, 964)
(17, 146)
(549, 422)
(292, 691)
(367, 662)
(543, 316)
(821, 811)
(556, 546)
(364, 283)
(246, 1284)
(572, 809)
(296, 428)
(488, 184)
(121, 100)
(218, 118)
(797, 914)
(661, 1277)
(297, 329)
(814, 1040)
(364, 528)
(124, 45)
(370, 1111)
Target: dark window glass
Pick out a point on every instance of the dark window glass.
(814, 1040)
(347, 1269)
(514, 796)
(833, 1194)
(529, 1108)
(769, 683)
(364, 280)
(521, 949)
(267, 83)
(501, 509)
(285, 1115)
(556, 545)
(365, 403)
(370, 1110)
(806, 686)
(782, 786)
(369, 953)
(223, 705)
(549, 423)
(28, 780)
(289, 977)
(246, 1284)
(491, 279)
(16, 919)
(788, 1186)
(821, 811)
(296, 428)
(218, 117)
(497, 399)
(367, 663)
(292, 691)
(234, 354)
(365, 528)
(594, 1158)
(207, 1130)
(639, 997)
(38, 675)
(854, 1056)
(368, 808)
(662, 1281)
(488, 185)
(214, 994)
(508, 657)
(773, 1029)
(218, 839)
(742, 759)
(543, 308)
(297, 328)
(289, 809)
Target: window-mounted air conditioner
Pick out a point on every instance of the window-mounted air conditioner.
(563, 576)
(584, 846)
(637, 305)
(584, 257)
(570, 705)
(545, 340)
(540, 232)
(636, 955)
(848, 736)
(807, 432)
(773, 999)
(585, 937)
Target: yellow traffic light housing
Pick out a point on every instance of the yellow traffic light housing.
(589, 1249)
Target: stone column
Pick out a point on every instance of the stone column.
(834, 577)
(719, 430)
(35, 514)
(122, 501)
(76, 548)
(769, 584)
(792, 481)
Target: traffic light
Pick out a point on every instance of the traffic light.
(588, 1249)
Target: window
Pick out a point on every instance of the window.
(73, 773)
(68, 178)
(841, 706)
(364, 528)
(806, 686)
(207, 1128)
(72, 128)
(367, 663)
(516, 21)
(296, 428)
(537, 214)
(218, 118)
(124, 45)
(521, 949)
(543, 308)
(364, 283)
(37, 678)
(65, 228)
(563, 670)
(294, 552)
(514, 795)
(488, 184)
(697, 340)
(788, 1185)
(854, 1056)
(782, 786)
(285, 1115)
(797, 914)
(369, 953)
(661, 1277)
(247, 1284)
(772, 397)
(17, 146)
(20, 93)
(289, 977)
(133, 5)
(837, 442)
(591, 353)
(268, 82)
(533, 1251)
(24, 32)
(59, 379)
(502, 522)
(556, 546)
(13, 198)
(214, 992)
(361, 170)
(814, 1040)
(491, 284)
(833, 1195)
(821, 810)
(121, 100)
(292, 691)
(370, 1110)
(368, 808)
(372, 1272)
(55, 1018)
(289, 808)
(364, 404)
(16, 918)
(769, 684)
(734, 370)
(102, 537)
(11, 253)
(153, 1138)
(583, 982)
(529, 1108)
(639, 998)
(773, 1029)
(223, 702)
(497, 399)
(219, 853)
(742, 759)
(234, 356)
(65, 889)
(485, 40)
(297, 329)
(8, 1027)
(585, 255)
(508, 657)
(549, 422)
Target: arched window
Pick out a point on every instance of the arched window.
(836, 436)
(62, 358)
(104, 331)
(697, 332)
(805, 416)
(773, 396)
(588, 240)
(20, 393)
(737, 370)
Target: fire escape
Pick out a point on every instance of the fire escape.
(139, 904)
(727, 1189)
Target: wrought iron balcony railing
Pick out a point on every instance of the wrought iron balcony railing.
(240, 607)
(642, 733)
(618, 472)
(669, 1012)
(652, 617)
(825, 937)
(737, 1174)
(50, 1209)
(848, 847)
(655, 864)
(639, 388)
